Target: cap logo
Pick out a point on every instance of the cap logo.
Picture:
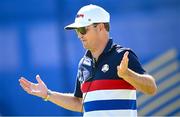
(80, 15)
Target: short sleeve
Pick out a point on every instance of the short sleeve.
(134, 63)
(77, 91)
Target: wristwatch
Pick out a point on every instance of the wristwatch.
(49, 93)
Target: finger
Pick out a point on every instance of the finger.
(27, 89)
(125, 58)
(126, 55)
(25, 82)
(23, 79)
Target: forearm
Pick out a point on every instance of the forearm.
(67, 101)
(142, 82)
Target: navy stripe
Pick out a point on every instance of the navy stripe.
(174, 112)
(110, 105)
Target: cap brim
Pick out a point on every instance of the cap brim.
(75, 26)
(71, 26)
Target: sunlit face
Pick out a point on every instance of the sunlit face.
(88, 36)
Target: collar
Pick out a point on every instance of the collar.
(108, 48)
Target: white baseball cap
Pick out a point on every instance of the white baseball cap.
(88, 15)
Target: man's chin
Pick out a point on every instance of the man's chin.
(85, 46)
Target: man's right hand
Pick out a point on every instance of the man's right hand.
(39, 89)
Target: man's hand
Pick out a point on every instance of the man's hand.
(122, 69)
(39, 89)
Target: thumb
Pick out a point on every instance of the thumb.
(38, 79)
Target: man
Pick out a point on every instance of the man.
(108, 74)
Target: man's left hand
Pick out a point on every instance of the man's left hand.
(122, 69)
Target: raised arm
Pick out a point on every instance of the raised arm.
(142, 82)
(40, 89)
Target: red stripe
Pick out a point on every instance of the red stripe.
(105, 85)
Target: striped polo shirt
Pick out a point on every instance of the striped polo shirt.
(103, 92)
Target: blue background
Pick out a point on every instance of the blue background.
(33, 41)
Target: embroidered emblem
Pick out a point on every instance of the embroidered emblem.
(105, 68)
(80, 15)
(83, 74)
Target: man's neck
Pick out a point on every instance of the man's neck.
(98, 51)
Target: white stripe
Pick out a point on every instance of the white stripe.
(169, 82)
(166, 70)
(169, 108)
(164, 97)
(162, 59)
(110, 94)
(162, 74)
(111, 113)
(159, 101)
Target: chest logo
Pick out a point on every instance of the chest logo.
(105, 68)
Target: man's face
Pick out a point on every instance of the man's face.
(88, 36)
